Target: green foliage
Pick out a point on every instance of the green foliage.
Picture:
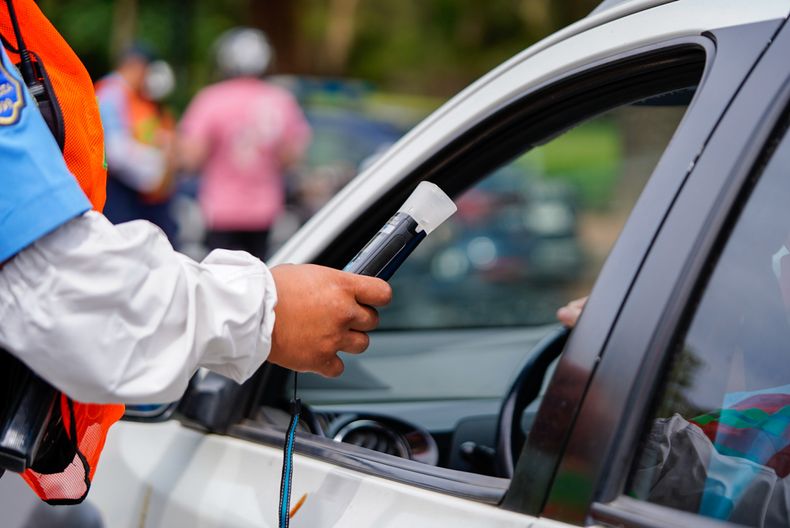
(436, 46)
(84, 25)
(417, 46)
(681, 379)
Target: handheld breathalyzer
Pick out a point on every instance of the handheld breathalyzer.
(425, 210)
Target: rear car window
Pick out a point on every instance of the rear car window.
(718, 444)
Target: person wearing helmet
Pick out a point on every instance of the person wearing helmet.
(242, 133)
(139, 140)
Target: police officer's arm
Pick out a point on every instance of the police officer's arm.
(320, 312)
(113, 313)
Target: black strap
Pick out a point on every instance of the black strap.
(7, 45)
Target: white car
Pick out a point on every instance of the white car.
(470, 409)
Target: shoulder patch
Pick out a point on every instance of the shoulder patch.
(11, 97)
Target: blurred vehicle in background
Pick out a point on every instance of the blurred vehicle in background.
(511, 247)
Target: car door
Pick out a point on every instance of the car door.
(175, 474)
(689, 393)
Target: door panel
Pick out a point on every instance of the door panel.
(183, 478)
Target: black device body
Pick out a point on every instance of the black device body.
(386, 251)
(380, 257)
(31, 425)
(41, 89)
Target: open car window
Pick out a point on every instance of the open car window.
(533, 234)
(478, 293)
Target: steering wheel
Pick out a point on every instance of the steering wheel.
(526, 387)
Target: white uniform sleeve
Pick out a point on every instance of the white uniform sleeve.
(113, 314)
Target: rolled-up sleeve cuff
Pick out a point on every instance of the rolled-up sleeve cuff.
(249, 343)
(267, 324)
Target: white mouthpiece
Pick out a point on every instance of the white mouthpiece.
(429, 206)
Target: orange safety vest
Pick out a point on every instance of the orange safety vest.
(83, 152)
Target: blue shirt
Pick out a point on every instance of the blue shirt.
(37, 192)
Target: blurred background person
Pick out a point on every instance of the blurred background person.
(139, 139)
(242, 134)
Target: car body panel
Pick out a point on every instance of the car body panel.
(152, 484)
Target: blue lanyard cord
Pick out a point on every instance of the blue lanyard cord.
(288, 455)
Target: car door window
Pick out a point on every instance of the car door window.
(482, 290)
(718, 444)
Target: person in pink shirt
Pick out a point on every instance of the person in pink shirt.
(242, 134)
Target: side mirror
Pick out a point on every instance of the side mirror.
(212, 401)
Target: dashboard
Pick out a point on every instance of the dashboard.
(456, 435)
(395, 403)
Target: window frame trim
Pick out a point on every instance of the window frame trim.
(634, 513)
(461, 484)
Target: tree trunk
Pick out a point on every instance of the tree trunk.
(339, 35)
(278, 18)
(124, 26)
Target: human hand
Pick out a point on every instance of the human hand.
(321, 311)
(569, 314)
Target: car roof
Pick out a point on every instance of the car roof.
(609, 4)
